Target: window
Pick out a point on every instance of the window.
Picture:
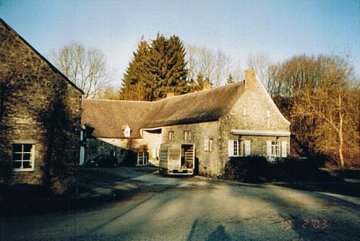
(211, 144)
(275, 148)
(244, 112)
(23, 157)
(171, 136)
(236, 148)
(127, 131)
(239, 148)
(142, 159)
(188, 136)
(208, 144)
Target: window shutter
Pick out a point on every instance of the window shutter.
(268, 148)
(283, 149)
(247, 150)
(230, 148)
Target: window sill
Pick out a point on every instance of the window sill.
(23, 170)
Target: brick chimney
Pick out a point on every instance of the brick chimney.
(250, 79)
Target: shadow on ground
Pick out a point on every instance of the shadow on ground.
(24, 199)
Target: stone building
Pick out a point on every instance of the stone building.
(40, 113)
(238, 119)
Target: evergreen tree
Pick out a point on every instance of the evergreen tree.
(201, 83)
(167, 67)
(156, 70)
(230, 79)
(135, 85)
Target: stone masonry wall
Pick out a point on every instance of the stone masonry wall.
(207, 160)
(253, 111)
(38, 106)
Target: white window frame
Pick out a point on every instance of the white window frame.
(211, 144)
(236, 148)
(190, 135)
(142, 158)
(22, 160)
(239, 148)
(275, 149)
(206, 144)
(171, 136)
(244, 112)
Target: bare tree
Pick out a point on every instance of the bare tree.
(85, 67)
(331, 101)
(321, 98)
(261, 64)
(109, 93)
(213, 65)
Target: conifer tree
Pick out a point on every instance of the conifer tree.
(167, 67)
(230, 79)
(135, 85)
(155, 70)
(202, 83)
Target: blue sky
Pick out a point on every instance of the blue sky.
(278, 28)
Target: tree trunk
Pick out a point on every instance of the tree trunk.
(341, 141)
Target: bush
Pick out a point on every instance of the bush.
(247, 169)
(256, 169)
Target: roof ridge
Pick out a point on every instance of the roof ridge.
(203, 91)
(122, 101)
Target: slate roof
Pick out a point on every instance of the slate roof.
(109, 116)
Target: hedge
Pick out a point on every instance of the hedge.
(257, 169)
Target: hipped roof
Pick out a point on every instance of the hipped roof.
(108, 117)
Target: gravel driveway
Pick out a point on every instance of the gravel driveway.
(196, 209)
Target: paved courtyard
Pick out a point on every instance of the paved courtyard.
(196, 208)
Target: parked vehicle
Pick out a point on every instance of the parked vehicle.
(177, 159)
(102, 161)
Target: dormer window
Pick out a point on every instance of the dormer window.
(127, 131)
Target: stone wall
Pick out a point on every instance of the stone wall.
(253, 111)
(38, 106)
(208, 161)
